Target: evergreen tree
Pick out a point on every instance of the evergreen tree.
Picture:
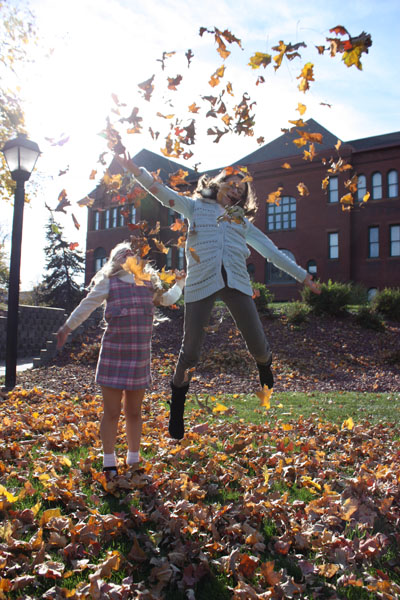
(62, 266)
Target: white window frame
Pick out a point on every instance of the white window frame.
(333, 190)
(393, 183)
(395, 240)
(333, 245)
(373, 241)
(377, 191)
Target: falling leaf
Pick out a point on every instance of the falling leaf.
(260, 59)
(160, 246)
(165, 55)
(194, 255)
(274, 197)
(63, 202)
(93, 174)
(306, 75)
(73, 245)
(148, 88)
(174, 81)
(189, 55)
(303, 189)
(265, 397)
(137, 267)
(301, 108)
(75, 221)
(216, 77)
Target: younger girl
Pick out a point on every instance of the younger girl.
(220, 215)
(123, 368)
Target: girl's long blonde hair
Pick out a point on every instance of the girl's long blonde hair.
(113, 266)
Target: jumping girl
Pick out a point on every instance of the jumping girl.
(123, 368)
(220, 216)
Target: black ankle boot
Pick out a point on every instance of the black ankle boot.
(266, 377)
(177, 408)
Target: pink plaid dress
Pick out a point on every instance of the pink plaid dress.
(124, 360)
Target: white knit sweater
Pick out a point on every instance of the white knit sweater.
(217, 243)
(99, 292)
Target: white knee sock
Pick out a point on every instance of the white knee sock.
(132, 458)
(109, 460)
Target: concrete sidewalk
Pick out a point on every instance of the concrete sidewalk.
(22, 365)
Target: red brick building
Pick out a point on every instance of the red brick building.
(361, 245)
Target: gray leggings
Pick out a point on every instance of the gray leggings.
(197, 315)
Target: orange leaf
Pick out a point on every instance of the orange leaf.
(303, 189)
(194, 255)
(265, 397)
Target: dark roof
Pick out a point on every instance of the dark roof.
(152, 162)
(376, 141)
(283, 146)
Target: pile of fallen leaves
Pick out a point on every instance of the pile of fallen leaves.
(290, 509)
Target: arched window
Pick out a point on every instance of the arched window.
(275, 275)
(377, 186)
(312, 267)
(361, 187)
(251, 270)
(393, 184)
(96, 220)
(100, 257)
(282, 216)
(371, 294)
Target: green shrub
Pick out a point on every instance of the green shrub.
(358, 294)
(368, 318)
(387, 303)
(262, 296)
(333, 298)
(297, 313)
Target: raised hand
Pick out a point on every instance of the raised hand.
(313, 285)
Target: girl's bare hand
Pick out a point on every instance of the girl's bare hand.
(62, 335)
(180, 274)
(313, 285)
(128, 165)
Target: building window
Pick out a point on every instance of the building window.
(282, 216)
(181, 258)
(377, 186)
(121, 217)
(361, 187)
(395, 240)
(171, 216)
(96, 220)
(393, 184)
(100, 257)
(373, 242)
(312, 267)
(107, 219)
(372, 292)
(275, 275)
(132, 213)
(168, 259)
(333, 189)
(333, 239)
(114, 217)
(251, 271)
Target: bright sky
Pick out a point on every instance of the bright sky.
(104, 47)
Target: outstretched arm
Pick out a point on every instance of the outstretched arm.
(171, 199)
(93, 300)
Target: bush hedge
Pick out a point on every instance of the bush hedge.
(387, 303)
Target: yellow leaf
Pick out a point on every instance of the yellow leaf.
(301, 108)
(265, 397)
(286, 165)
(366, 197)
(35, 415)
(136, 266)
(258, 59)
(287, 427)
(348, 424)
(4, 492)
(49, 514)
(219, 408)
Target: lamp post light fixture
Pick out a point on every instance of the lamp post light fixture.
(21, 155)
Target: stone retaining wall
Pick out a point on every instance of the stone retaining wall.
(36, 324)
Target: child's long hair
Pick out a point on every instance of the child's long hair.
(113, 266)
(208, 187)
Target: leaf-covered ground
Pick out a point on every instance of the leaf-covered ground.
(324, 353)
(266, 506)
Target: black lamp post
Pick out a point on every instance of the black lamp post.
(21, 156)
